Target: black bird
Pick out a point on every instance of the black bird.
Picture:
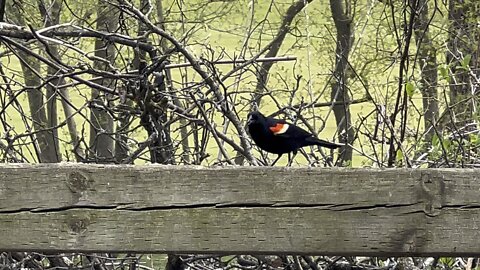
(280, 137)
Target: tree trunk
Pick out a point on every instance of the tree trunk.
(101, 129)
(343, 24)
(274, 47)
(69, 111)
(463, 43)
(2, 10)
(51, 13)
(152, 99)
(45, 140)
(427, 63)
(185, 156)
(51, 16)
(121, 148)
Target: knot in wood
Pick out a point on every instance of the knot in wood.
(78, 182)
(78, 224)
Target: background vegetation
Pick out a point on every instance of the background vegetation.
(171, 82)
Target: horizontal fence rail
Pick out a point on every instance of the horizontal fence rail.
(233, 210)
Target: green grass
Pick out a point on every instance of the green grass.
(225, 35)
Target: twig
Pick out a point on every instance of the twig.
(212, 129)
(237, 61)
(142, 146)
(320, 104)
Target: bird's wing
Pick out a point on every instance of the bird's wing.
(284, 129)
(279, 128)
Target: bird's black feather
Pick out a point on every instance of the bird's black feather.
(289, 140)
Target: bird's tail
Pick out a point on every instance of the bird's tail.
(323, 143)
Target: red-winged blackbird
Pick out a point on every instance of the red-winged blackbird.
(280, 137)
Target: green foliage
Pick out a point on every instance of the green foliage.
(465, 62)
(474, 139)
(410, 89)
(435, 140)
(445, 73)
(219, 30)
(454, 149)
(447, 261)
(399, 156)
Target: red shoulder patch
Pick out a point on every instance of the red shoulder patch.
(279, 128)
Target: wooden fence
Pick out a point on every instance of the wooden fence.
(234, 210)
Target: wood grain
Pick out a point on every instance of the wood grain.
(233, 210)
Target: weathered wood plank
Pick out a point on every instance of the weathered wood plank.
(379, 232)
(73, 207)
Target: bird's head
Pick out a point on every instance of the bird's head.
(254, 117)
